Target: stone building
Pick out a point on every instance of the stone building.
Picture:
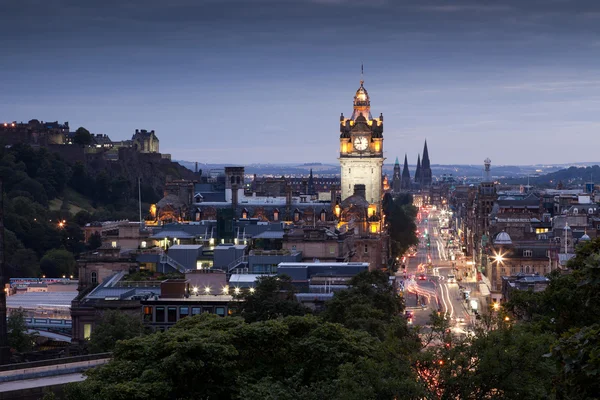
(145, 141)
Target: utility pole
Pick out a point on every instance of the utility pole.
(4, 347)
(140, 200)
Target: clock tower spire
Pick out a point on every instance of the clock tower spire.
(361, 149)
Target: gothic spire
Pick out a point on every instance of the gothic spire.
(418, 171)
(405, 171)
(425, 163)
(397, 163)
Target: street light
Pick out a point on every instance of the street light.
(207, 290)
(497, 307)
(252, 290)
(195, 290)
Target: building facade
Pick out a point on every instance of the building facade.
(361, 149)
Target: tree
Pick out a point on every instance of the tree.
(207, 357)
(95, 241)
(400, 215)
(370, 304)
(57, 263)
(114, 325)
(274, 297)
(18, 338)
(82, 137)
(26, 263)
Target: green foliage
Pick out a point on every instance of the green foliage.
(18, 338)
(369, 304)
(400, 216)
(57, 263)
(272, 298)
(95, 241)
(26, 263)
(114, 325)
(207, 357)
(82, 137)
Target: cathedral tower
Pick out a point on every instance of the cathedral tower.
(396, 185)
(425, 168)
(418, 171)
(405, 175)
(361, 149)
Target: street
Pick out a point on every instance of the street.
(431, 282)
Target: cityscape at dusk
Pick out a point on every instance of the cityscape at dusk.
(299, 199)
(260, 78)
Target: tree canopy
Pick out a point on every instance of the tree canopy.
(113, 326)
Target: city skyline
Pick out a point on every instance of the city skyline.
(257, 82)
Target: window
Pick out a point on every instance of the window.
(323, 216)
(196, 311)
(527, 269)
(94, 278)
(147, 314)
(220, 311)
(160, 314)
(87, 331)
(208, 310)
(276, 215)
(184, 312)
(172, 314)
(366, 248)
(332, 249)
(527, 253)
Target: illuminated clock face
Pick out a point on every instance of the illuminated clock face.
(361, 143)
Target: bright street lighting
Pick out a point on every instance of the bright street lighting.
(207, 290)
(252, 290)
(195, 290)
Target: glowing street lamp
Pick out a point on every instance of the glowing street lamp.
(225, 289)
(252, 290)
(207, 290)
(236, 290)
(195, 290)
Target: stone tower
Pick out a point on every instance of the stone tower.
(396, 181)
(361, 149)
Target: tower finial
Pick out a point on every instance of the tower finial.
(362, 71)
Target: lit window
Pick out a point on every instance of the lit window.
(143, 245)
(87, 331)
(114, 245)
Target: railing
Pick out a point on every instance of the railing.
(57, 361)
(235, 263)
(165, 259)
(48, 323)
(138, 284)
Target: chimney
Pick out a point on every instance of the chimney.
(360, 190)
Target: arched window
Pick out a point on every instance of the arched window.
(323, 215)
(244, 213)
(94, 278)
(276, 215)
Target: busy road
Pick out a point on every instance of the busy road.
(435, 278)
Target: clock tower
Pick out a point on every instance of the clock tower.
(361, 149)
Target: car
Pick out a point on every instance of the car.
(460, 319)
(422, 277)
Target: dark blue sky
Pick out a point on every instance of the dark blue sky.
(266, 80)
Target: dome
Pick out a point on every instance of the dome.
(362, 97)
(585, 238)
(503, 238)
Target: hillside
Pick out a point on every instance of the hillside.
(48, 199)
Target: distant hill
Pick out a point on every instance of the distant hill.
(569, 176)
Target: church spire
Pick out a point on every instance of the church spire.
(418, 171)
(397, 162)
(425, 163)
(405, 174)
(426, 175)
